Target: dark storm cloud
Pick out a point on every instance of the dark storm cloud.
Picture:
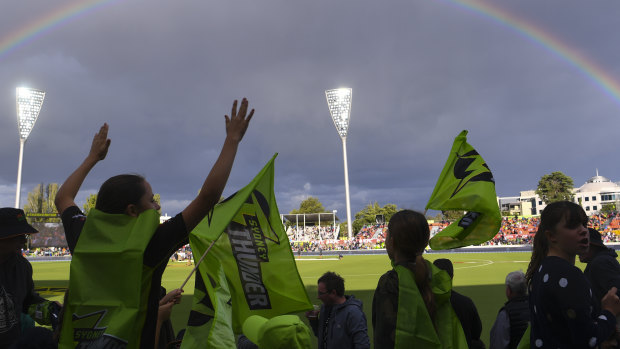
(163, 74)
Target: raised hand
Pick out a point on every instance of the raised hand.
(69, 189)
(101, 143)
(611, 301)
(237, 123)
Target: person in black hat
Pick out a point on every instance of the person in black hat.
(16, 285)
(603, 269)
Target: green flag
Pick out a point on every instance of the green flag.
(250, 270)
(465, 184)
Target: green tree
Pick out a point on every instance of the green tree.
(157, 199)
(555, 187)
(369, 213)
(309, 205)
(41, 200)
(436, 218)
(608, 208)
(452, 215)
(91, 200)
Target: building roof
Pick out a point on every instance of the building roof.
(598, 184)
(311, 217)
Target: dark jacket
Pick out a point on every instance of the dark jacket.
(603, 272)
(518, 310)
(16, 295)
(467, 313)
(346, 326)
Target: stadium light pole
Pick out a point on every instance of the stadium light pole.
(29, 102)
(339, 103)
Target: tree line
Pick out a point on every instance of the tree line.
(552, 187)
(41, 201)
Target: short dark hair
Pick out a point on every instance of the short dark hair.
(445, 264)
(120, 191)
(333, 281)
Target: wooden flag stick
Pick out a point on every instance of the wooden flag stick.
(198, 263)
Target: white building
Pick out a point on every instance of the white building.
(596, 192)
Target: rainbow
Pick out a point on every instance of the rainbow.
(588, 68)
(47, 22)
(584, 65)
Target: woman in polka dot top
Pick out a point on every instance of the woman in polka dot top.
(563, 312)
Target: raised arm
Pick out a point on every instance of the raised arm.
(69, 189)
(213, 186)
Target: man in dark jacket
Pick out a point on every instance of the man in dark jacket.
(341, 322)
(603, 269)
(17, 293)
(513, 318)
(464, 308)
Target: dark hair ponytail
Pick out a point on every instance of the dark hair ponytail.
(554, 213)
(410, 233)
(120, 191)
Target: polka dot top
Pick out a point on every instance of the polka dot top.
(562, 308)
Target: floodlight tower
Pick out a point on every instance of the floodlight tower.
(29, 102)
(339, 103)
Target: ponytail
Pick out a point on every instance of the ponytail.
(539, 251)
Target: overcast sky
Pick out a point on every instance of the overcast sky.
(164, 73)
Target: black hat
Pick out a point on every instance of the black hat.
(595, 238)
(13, 222)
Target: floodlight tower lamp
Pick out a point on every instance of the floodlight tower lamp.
(29, 102)
(339, 103)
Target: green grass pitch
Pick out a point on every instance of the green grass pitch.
(479, 276)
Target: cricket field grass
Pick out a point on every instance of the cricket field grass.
(479, 276)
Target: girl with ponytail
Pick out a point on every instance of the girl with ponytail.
(411, 305)
(563, 312)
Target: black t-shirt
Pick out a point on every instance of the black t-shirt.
(16, 295)
(168, 238)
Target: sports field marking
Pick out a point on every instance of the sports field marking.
(50, 291)
(493, 262)
(343, 275)
(316, 259)
(486, 261)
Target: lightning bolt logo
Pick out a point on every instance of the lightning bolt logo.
(263, 203)
(86, 327)
(470, 167)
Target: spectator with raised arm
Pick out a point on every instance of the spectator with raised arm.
(120, 250)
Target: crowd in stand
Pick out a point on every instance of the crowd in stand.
(513, 231)
(50, 234)
(335, 245)
(311, 233)
(47, 252)
(376, 231)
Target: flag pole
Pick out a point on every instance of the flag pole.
(198, 263)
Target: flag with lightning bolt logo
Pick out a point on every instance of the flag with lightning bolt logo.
(465, 184)
(249, 271)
